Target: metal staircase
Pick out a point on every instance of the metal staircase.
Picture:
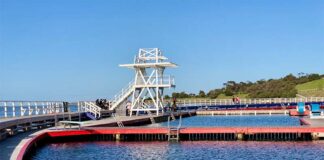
(119, 123)
(151, 117)
(92, 110)
(173, 134)
(122, 95)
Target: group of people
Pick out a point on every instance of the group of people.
(103, 103)
(236, 100)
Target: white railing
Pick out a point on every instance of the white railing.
(11, 109)
(215, 102)
(87, 106)
(124, 93)
(164, 80)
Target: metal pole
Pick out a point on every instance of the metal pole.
(79, 110)
(43, 107)
(5, 110)
(29, 113)
(62, 104)
(13, 109)
(36, 109)
(22, 112)
(55, 107)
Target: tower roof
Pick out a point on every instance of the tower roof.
(148, 58)
(149, 65)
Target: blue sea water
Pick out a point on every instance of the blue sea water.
(183, 150)
(234, 121)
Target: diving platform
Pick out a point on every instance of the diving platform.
(149, 83)
(149, 65)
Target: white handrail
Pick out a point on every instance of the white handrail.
(246, 101)
(162, 80)
(91, 107)
(123, 91)
(29, 108)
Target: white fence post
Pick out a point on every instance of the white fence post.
(22, 110)
(5, 110)
(29, 112)
(13, 109)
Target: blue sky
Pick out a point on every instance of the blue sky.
(70, 50)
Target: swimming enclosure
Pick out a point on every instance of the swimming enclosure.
(183, 150)
(196, 145)
(234, 121)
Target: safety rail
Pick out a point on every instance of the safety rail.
(88, 106)
(151, 80)
(11, 109)
(173, 133)
(215, 102)
(123, 94)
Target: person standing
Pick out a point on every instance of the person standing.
(128, 108)
(238, 101)
(174, 105)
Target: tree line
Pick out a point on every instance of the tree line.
(271, 88)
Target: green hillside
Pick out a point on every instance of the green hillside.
(289, 86)
(314, 88)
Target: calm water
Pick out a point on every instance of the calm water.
(206, 121)
(193, 149)
(184, 150)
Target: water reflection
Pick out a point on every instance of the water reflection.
(183, 150)
(228, 121)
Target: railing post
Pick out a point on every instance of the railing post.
(22, 112)
(5, 110)
(55, 107)
(48, 108)
(79, 110)
(43, 107)
(13, 109)
(29, 113)
(36, 108)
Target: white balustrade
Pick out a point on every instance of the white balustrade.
(12, 109)
(210, 102)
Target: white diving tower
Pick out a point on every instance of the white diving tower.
(146, 91)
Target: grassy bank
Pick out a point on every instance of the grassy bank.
(311, 89)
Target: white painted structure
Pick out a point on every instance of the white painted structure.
(149, 82)
(12, 109)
